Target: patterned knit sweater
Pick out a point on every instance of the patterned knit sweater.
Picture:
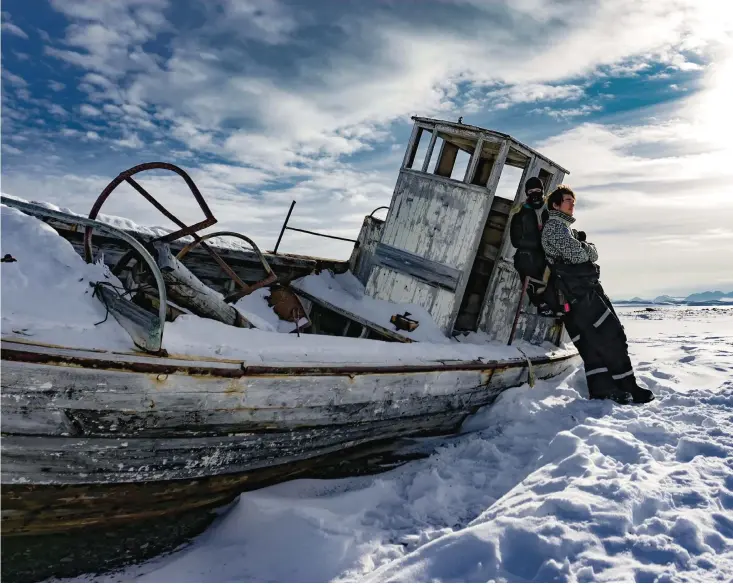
(560, 243)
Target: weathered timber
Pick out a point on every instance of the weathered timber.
(144, 328)
(380, 330)
(187, 290)
(434, 218)
(362, 258)
(418, 267)
(71, 418)
(474, 132)
(244, 262)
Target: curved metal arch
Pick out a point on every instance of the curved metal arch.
(184, 229)
(269, 279)
(377, 209)
(126, 176)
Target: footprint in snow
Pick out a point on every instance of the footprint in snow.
(661, 374)
(687, 359)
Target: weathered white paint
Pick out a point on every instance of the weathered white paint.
(411, 144)
(69, 424)
(360, 262)
(429, 153)
(437, 219)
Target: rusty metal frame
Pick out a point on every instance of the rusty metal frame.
(271, 277)
(126, 176)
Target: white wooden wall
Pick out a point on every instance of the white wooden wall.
(437, 219)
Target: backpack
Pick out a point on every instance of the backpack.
(529, 260)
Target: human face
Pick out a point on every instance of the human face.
(567, 206)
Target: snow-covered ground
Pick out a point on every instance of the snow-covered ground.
(543, 486)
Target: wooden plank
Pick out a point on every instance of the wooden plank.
(395, 336)
(418, 267)
(498, 167)
(188, 291)
(429, 153)
(475, 157)
(143, 327)
(411, 146)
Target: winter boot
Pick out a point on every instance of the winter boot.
(639, 394)
(601, 386)
(615, 394)
(642, 395)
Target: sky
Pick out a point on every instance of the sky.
(268, 101)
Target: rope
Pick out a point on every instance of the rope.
(121, 291)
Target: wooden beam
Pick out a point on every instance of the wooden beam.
(411, 146)
(429, 153)
(395, 336)
(498, 167)
(430, 272)
(475, 157)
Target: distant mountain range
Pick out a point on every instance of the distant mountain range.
(710, 298)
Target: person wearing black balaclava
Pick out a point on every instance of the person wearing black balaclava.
(525, 234)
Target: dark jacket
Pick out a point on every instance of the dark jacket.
(525, 234)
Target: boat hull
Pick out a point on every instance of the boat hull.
(98, 438)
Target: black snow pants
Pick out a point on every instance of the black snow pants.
(600, 383)
(597, 333)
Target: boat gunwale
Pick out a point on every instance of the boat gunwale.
(55, 355)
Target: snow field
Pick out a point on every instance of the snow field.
(543, 486)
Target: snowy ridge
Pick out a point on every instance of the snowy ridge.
(544, 486)
(129, 225)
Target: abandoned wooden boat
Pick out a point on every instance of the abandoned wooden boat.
(97, 435)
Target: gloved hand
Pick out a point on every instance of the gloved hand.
(581, 236)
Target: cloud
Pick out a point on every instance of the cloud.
(14, 79)
(566, 113)
(56, 110)
(294, 102)
(106, 37)
(89, 110)
(10, 28)
(130, 141)
(8, 149)
(56, 85)
(533, 92)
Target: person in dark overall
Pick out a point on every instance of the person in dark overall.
(525, 234)
(589, 316)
